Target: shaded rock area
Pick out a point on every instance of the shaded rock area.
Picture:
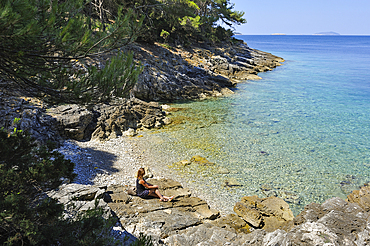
(106, 121)
(78, 198)
(32, 117)
(126, 118)
(72, 121)
(170, 74)
(177, 73)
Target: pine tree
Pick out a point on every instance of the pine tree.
(27, 171)
(185, 21)
(43, 41)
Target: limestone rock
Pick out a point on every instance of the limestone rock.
(73, 120)
(156, 218)
(233, 223)
(117, 194)
(77, 192)
(183, 163)
(207, 234)
(334, 222)
(32, 118)
(129, 133)
(267, 213)
(78, 198)
(125, 117)
(231, 182)
(252, 216)
(197, 72)
(204, 212)
(361, 197)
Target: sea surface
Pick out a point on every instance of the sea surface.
(301, 133)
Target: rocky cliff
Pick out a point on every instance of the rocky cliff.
(176, 73)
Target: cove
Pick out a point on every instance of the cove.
(301, 133)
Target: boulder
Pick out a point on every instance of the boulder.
(72, 120)
(361, 197)
(267, 213)
(335, 222)
(78, 198)
(123, 118)
(233, 223)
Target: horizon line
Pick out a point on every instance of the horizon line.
(284, 34)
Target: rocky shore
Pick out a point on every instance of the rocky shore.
(102, 141)
(197, 72)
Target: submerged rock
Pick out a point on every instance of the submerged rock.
(201, 160)
(349, 184)
(231, 182)
(290, 197)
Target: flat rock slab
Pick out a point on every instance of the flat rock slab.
(154, 217)
(207, 234)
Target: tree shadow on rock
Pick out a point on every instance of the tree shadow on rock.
(89, 162)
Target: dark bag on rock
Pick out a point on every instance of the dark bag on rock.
(132, 191)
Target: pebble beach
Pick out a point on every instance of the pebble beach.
(115, 162)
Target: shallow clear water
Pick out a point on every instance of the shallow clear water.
(301, 133)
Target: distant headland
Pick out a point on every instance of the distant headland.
(326, 33)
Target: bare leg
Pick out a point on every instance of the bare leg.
(156, 193)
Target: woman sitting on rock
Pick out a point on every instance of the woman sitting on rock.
(145, 190)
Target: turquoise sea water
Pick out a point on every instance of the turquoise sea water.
(301, 133)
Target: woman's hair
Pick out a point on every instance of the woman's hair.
(140, 173)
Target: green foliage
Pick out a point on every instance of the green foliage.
(97, 83)
(85, 229)
(164, 34)
(40, 39)
(27, 216)
(26, 171)
(143, 240)
(185, 20)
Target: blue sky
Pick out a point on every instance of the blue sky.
(295, 17)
